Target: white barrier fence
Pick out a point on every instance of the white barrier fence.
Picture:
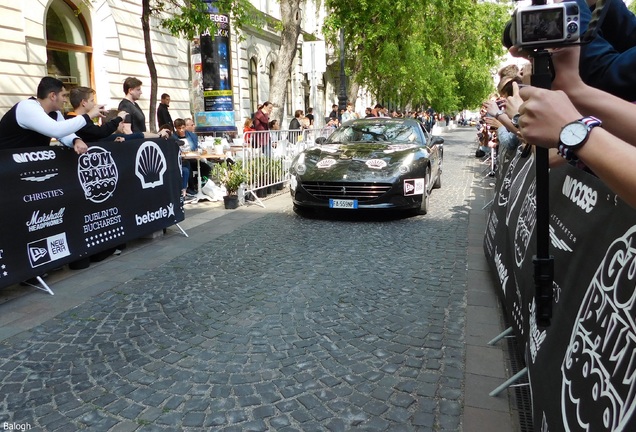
(266, 156)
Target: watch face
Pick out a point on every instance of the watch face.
(573, 134)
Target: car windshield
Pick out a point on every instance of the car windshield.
(394, 132)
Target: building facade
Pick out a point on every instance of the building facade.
(99, 43)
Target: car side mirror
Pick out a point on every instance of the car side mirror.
(321, 140)
(437, 140)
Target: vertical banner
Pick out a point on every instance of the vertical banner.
(212, 76)
(582, 368)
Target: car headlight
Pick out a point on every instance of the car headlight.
(300, 166)
(406, 164)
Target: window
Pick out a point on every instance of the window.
(272, 69)
(68, 47)
(253, 71)
(288, 98)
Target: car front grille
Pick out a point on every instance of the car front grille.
(360, 191)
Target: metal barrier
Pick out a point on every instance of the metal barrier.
(266, 156)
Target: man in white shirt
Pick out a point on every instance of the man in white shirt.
(33, 122)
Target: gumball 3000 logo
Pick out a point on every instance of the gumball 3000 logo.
(97, 174)
(599, 368)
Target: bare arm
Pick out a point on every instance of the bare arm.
(545, 112)
(617, 114)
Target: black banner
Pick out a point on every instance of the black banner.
(58, 207)
(582, 368)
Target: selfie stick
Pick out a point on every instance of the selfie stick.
(543, 261)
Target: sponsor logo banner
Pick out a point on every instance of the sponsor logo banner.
(59, 207)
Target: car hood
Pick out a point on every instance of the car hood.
(359, 161)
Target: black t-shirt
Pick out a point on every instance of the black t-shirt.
(137, 117)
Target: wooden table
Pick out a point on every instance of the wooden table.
(199, 157)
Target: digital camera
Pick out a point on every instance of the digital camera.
(545, 26)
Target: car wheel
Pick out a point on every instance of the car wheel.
(426, 196)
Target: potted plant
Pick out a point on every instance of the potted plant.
(232, 176)
(218, 146)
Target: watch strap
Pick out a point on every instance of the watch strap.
(567, 152)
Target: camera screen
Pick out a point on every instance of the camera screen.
(542, 25)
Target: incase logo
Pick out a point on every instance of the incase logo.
(35, 156)
(149, 217)
(580, 194)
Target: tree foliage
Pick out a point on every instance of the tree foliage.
(421, 52)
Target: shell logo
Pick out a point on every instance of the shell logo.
(326, 163)
(376, 163)
(151, 165)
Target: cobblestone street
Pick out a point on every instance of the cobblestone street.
(280, 323)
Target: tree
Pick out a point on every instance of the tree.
(290, 21)
(420, 52)
(188, 18)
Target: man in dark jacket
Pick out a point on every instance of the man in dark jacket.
(83, 100)
(294, 124)
(163, 115)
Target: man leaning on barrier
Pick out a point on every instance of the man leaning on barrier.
(34, 121)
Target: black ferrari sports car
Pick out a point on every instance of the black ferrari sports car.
(371, 163)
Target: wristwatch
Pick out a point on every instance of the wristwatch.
(574, 135)
(498, 113)
(515, 120)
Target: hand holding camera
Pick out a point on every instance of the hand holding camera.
(543, 114)
(543, 26)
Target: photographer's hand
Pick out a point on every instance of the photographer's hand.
(566, 67)
(543, 114)
(491, 107)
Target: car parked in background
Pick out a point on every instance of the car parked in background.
(371, 163)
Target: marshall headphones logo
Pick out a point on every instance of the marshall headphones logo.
(44, 220)
(97, 174)
(48, 249)
(151, 165)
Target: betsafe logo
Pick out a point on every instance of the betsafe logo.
(153, 216)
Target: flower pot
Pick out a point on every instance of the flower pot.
(280, 186)
(231, 201)
(261, 193)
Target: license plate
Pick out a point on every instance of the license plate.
(343, 204)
